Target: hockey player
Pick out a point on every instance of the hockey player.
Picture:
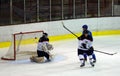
(85, 27)
(43, 49)
(85, 47)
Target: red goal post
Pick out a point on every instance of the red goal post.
(22, 43)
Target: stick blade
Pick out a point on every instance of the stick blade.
(114, 53)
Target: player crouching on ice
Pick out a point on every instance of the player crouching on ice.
(85, 46)
(43, 50)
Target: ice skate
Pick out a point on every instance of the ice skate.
(82, 65)
(92, 64)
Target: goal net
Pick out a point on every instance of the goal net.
(23, 45)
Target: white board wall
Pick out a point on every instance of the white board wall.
(56, 28)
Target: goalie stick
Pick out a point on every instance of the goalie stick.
(77, 37)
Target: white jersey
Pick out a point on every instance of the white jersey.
(42, 46)
(84, 44)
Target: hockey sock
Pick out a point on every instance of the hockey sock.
(81, 57)
(91, 60)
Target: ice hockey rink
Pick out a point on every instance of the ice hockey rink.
(66, 62)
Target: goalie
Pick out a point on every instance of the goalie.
(43, 49)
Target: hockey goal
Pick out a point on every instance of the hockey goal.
(23, 45)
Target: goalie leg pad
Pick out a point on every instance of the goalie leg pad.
(31, 58)
(37, 59)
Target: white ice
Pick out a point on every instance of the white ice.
(66, 62)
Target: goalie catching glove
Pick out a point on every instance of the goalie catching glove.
(47, 47)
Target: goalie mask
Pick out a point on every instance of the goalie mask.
(45, 34)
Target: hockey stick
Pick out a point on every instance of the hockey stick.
(105, 52)
(69, 30)
(77, 37)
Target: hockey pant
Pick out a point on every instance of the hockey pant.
(93, 55)
(81, 55)
(43, 54)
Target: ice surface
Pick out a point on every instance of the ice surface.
(66, 62)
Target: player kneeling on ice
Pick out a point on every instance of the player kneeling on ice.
(43, 49)
(85, 46)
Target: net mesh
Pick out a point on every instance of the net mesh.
(23, 45)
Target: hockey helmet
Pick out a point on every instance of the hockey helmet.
(85, 26)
